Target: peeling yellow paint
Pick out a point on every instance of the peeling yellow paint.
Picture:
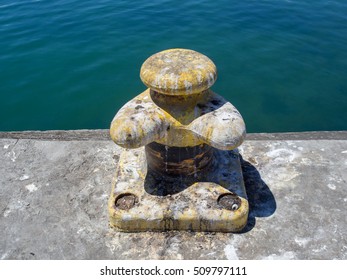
(177, 112)
(178, 72)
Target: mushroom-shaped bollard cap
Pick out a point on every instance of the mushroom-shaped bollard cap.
(178, 72)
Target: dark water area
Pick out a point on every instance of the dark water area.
(72, 64)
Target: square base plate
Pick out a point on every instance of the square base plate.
(143, 200)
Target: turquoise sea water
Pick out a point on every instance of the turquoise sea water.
(71, 64)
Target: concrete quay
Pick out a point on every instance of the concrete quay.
(54, 187)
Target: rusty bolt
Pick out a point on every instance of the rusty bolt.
(229, 201)
(126, 201)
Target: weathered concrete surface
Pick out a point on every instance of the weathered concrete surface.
(53, 201)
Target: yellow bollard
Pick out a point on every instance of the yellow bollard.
(179, 169)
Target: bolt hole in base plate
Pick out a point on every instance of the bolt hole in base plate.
(229, 201)
(126, 201)
(218, 204)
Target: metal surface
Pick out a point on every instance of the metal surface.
(187, 131)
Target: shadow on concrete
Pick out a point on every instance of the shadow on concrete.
(262, 203)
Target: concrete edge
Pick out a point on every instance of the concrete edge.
(59, 135)
(103, 135)
(307, 135)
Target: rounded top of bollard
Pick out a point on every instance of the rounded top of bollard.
(178, 72)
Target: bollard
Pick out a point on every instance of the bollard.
(179, 169)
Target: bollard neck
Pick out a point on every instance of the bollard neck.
(175, 161)
(181, 107)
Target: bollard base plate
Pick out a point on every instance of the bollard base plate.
(214, 200)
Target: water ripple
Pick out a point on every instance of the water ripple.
(72, 64)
